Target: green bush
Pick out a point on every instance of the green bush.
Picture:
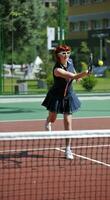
(84, 66)
(88, 82)
(107, 73)
(49, 81)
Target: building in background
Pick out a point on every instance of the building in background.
(89, 20)
(85, 16)
(88, 15)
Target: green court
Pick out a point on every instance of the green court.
(29, 108)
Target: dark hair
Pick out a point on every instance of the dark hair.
(62, 48)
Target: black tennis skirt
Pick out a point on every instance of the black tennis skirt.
(59, 104)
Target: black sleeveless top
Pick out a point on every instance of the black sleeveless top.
(54, 100)
(60, 83)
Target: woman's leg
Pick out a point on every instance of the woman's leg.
(50, 119)
(68, 126)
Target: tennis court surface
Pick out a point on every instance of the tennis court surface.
(33, 165)
(32, 161)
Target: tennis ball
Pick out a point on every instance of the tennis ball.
(100, 62)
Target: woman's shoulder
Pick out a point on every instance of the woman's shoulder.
(57, 65)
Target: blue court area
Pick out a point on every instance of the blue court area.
(29, 107)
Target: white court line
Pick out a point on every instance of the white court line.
(20, 100)
(87, 158)
(21, 150)
(53, 148)
(43, 149)
(91, 146)
(40, 99)
(93, 160)
(59, 118)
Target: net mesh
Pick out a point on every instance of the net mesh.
(33, 166)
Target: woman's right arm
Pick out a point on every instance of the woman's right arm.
(58, 72)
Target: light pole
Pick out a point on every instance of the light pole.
(1, 56)
(100, 36)
(61, 20)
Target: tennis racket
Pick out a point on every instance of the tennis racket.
(90, 69)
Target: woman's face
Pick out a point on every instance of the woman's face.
(64, 56)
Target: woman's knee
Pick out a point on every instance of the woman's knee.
(68, 122)
(52, 117)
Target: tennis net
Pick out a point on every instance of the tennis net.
(33, 165)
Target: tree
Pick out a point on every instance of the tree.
(25, 24)
(82, 56)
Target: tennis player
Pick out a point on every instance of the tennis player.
(61, 98)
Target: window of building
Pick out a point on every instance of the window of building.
(74, 2)
(98, 1)
(74, 27)
(106, 23)
(50, 4)
(83, 26)
(47, 4)
(97, 24)
(85, 2)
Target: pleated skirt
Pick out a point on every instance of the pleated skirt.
(59, 104)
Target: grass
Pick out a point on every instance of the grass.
(11, 83)
(103, 85)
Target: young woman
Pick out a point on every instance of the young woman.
(61, 97)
